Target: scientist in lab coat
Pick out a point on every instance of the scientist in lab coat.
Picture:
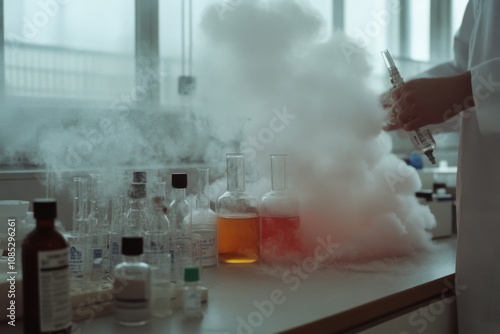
(468, 88)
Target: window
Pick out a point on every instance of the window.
(64, 51)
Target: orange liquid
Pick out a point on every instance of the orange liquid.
(279, 235)
(238, 239)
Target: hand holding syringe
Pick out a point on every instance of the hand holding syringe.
(421, 138)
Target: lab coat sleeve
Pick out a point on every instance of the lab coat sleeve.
(486, 74)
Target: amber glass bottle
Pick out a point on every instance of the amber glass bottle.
(46, 301)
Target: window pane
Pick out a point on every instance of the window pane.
(69, 49)
(458, 9)
(419, 33)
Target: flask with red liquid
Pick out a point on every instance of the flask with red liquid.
(279, 216)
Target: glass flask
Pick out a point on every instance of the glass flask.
(237, 217)
(204, 221)
(279, 215)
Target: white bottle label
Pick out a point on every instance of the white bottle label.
(208, 247)
(76, 261)
(53, 287)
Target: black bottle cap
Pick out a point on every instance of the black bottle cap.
(138, 190)
(45, 208)
(132, 246)
(179, 180)
(139, 177)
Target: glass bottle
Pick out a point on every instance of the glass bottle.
(179, 215)
(131, 286)
(45, 264)
(204, 221)
(279, 215)
(237, 217)
(192, 293)
(78, 236)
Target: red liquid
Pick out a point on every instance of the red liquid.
(279, 236)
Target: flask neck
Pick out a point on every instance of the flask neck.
(179, 194)
(235, 173)
(278, 172)
(45, 223)
(202, 198)
(132, 258)
(136, 204)
(202, 202)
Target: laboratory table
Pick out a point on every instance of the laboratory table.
(302, 299)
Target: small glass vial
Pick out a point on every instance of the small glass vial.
(279, 216)
(46, 299)
(204, 221)
(131, 286)
(192, 294)
(237, 217)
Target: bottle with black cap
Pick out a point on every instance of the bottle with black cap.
(131, 286)
(179, 215)
(47, 306)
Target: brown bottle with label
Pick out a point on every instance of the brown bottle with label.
(46, 300)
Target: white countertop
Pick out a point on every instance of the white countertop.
(319, 300)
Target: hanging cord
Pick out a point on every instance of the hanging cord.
(190, 64)
(183, 47)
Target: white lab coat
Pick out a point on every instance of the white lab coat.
(477, 48)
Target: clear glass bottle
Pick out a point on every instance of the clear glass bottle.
(45, 264)
(204, 221)
(279, 216)
(131, 286)
(179, 215)
(192, 293)
(78, 237)
(237, 217)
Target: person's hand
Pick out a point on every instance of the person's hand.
(421, 102)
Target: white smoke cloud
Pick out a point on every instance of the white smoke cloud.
(275, 64)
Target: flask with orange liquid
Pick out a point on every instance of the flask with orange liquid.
(237, 217)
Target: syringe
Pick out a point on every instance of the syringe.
(421, 138)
